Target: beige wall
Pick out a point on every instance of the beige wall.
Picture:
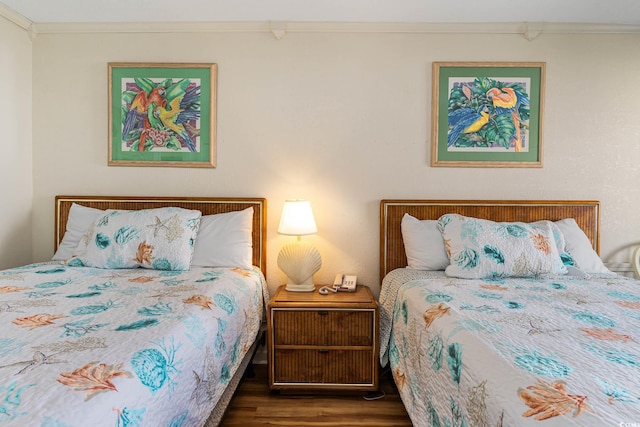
(342, 119)
(16, 186)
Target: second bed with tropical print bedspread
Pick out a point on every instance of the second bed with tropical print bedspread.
(527, 352)
(82, 346)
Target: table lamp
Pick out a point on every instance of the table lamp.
(298, 260)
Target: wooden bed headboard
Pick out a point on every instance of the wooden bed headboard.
(392, 253)
(206, 205)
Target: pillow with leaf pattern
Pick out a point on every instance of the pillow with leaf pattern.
(160, 239)
(481, 249)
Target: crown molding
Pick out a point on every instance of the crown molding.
(279, 29)
(16, 18)
(152, 27)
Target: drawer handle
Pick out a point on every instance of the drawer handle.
(323, 313)
(323, 351)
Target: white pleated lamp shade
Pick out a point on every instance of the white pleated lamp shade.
(297, 218)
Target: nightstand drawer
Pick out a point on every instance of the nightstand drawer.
(324, 367)
(324, 327)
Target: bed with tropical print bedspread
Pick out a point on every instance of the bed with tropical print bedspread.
(83, 346)
(513, 352)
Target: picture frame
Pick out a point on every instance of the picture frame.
(487, 114)
(162, 114)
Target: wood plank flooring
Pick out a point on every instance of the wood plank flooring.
(254, 404)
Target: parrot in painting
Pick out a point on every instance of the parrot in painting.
(508, 101)
(138, 112)
(466, 120)
(177, 115)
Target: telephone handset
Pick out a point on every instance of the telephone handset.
(342, 283)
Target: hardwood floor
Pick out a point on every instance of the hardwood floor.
(254, 404)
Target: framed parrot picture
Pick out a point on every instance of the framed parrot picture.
(487, 114)
(162, 114)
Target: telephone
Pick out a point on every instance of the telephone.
(342, 283)
(345, 282)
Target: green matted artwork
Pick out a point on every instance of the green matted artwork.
(487, 114)
(162, 114)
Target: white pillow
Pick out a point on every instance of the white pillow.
(160, 239)
(578, 245)
(480, 249)
(79, 220)
(423, 244)
(224, 240)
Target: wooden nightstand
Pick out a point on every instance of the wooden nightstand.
(323, 341)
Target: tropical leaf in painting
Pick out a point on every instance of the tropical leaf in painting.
(500, 130)
(550, 400)
(454, 360)
(466, 91)
(494, 254)
(176, 89)
(127, 97)
(93, 378)
(145, 84)
(435, 312)
(467, 259)
(37, 320)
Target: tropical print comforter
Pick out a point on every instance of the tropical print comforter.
(84, 347)
(513, 352)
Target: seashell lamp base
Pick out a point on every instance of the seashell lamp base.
(299, 261)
